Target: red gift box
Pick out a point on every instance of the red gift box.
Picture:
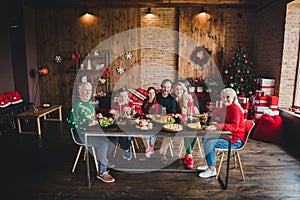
(259, 93)
(273, 101)
(261, 101)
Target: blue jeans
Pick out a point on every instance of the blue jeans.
(151, 140)
(125, 142)
(104, 146)
(210, 146)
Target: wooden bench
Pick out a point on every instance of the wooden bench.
(42, 112)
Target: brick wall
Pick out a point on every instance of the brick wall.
(269, 33)
(158, 60)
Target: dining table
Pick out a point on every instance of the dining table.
(159, 132)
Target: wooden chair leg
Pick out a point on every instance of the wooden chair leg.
(133, 148)
(220, 165)
(240, 164)
(95, 158)
(116, 148)
(76, 160)
(200, 149)
(136, 143)
(181, 144)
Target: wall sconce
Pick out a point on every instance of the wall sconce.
(149, 11)
(86, 12)
(202, 11)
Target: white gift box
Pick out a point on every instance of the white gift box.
(266, 82)
(260, 108)
(268, 91)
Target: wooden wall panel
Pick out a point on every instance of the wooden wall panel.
(61, 31)
(208, 32)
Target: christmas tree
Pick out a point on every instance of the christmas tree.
(239, 74)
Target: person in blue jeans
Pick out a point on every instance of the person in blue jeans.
(82, 115)
(122, 107)
(150, 106)
(231, 118)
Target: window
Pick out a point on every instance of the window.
(296, 101)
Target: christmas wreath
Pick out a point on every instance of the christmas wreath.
(201, 55)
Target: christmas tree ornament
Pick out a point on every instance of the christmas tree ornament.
(231, 77)
(231, 85)
(246, 61)
(226, 71)
(241, 80)
(238, 71)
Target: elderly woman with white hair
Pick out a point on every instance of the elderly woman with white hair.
(231, 119)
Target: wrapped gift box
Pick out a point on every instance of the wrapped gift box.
(243, 99)
(260, 108)
(266, 82)
(267, 91)
(273, 101)
(259, 93)
(261, 101)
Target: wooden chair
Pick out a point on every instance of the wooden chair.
(181, 145)
(82, 146)
(132, 143)
(235, 152)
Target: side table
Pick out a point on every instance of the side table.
(42, 112)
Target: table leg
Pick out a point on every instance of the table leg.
(228, 166)
(87, 162)
(38, 126)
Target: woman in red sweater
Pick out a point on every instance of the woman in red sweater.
(231, 119)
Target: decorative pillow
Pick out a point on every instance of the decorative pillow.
(269, 129)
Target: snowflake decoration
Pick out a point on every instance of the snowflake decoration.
(58, 59)
(128, 55)
(120, 70)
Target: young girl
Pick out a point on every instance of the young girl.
(185, 106)
(150, 106)
(121, 108)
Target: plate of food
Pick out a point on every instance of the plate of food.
(173, 127)
(106, 122)
(144, 124)
(195, 125)
(164, 119)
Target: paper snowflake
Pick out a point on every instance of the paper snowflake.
(120, 70)
(58, 59)
(128, 55)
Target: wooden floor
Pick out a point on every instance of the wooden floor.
(40, 168)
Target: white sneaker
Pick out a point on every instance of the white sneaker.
(208, 173)
(202, 168)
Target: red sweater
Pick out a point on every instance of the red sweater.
(233, 119)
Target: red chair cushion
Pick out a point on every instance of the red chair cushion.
(269, 129)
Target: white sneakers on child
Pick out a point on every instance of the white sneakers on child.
(208, 173)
